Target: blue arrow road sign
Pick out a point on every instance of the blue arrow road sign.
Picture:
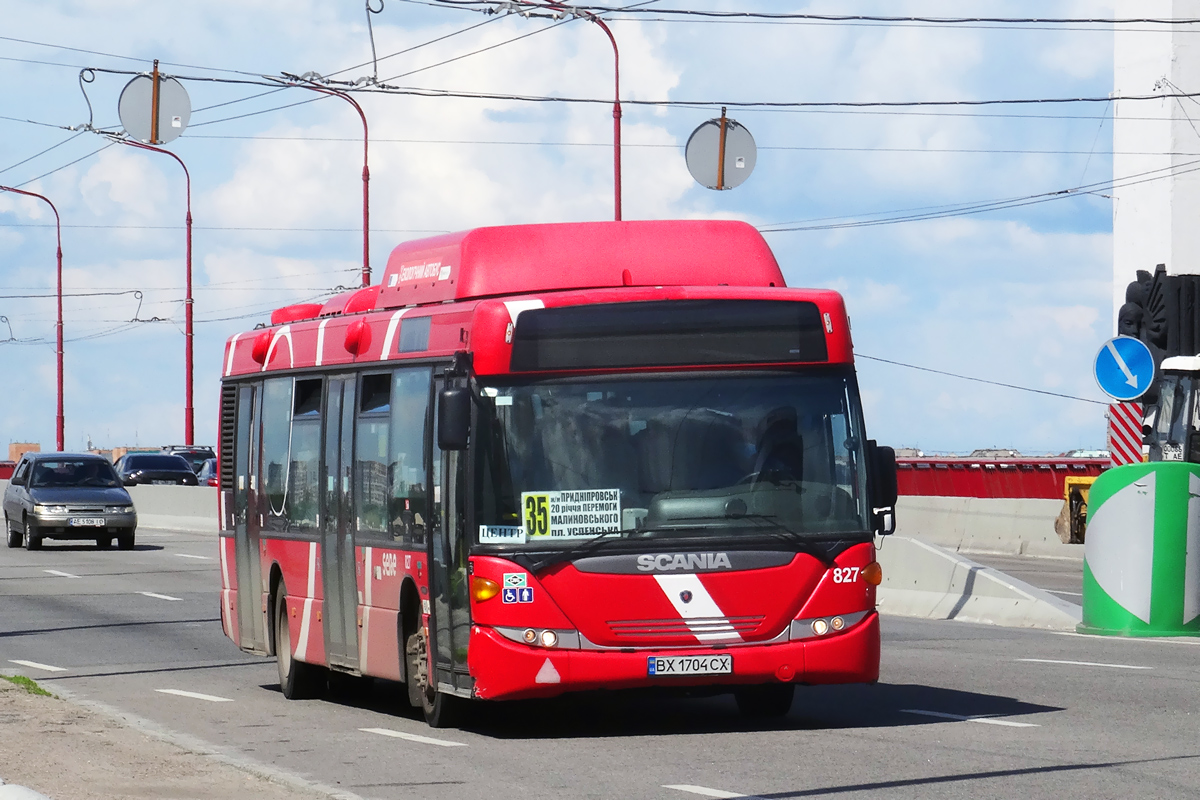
(1124, 368)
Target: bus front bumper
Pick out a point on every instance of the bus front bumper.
(506, 670)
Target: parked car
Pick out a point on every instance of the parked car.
(67, 496)
(207, 476)
(155, 468)
(196, 456)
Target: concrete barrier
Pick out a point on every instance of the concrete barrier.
(924, 580)
(177, 508)
(985, 525)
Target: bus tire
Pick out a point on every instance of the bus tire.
(766, 700)
(440, 709)
(297, 680)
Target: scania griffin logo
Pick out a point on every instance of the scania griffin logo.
(685, 596)
(672, 562)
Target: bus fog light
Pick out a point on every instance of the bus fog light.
(549, 638)
(530, 636)
(838, 623)
(820, 627)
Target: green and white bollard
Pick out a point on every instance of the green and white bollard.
(1141, 568)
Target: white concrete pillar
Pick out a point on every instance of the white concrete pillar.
(1156, 220)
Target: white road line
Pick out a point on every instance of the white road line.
(1073, 594)
(189, 555)
(1080, 663)
(195, 695)
(703, 791)
(412, 737)
(36, 665)
(983, 720)
(160, 596)
(59, 574)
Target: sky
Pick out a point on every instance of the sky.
(1020, 295)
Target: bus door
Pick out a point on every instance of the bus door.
(248, 520)
(451, 623)
(337, 527)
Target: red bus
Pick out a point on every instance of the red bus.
(548, 458)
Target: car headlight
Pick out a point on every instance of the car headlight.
(51, 509)
(118, 509)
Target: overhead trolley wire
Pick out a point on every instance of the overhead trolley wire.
(514, 6)
(980, 380)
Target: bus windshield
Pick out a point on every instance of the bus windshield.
(671, 456)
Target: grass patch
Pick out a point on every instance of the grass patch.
(28, 684)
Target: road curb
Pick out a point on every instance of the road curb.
(927, 581)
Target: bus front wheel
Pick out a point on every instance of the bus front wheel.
(441, 710)
(297, 680)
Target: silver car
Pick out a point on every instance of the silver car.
(67, 496)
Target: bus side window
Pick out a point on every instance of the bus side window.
(409, 495)
(371, 470)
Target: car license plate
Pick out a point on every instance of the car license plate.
(86, 522)
(163, 483)
(659, 666)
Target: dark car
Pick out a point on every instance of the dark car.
(67, 496)
(196, 456)
(155, 468)
(207, 476)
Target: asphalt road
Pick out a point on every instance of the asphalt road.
(961, 710)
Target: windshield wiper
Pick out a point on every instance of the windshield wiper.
(580, 550)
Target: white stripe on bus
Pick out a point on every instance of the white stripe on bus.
(321, 341)
(302, 640)
(699, 606)
(232, 347)
(393, 323)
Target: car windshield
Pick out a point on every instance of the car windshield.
(73, 472)
(764, 454)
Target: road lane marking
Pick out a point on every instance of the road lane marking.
(160, 596)
(1080, 663)
(195, 695)
(189, 555)
(60, 574)
(1073, 594)
(704, 791)
(959, 718)
(412, 737)
(36, 665)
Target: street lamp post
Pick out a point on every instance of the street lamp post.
(189, 416)
(304, 82)
(616, 98)
(59, 325)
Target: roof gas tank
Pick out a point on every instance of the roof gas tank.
(522, 259)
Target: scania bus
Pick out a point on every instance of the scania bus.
(541, 459)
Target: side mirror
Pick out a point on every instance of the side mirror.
(883, 487)
(454, 418)
(15, 481)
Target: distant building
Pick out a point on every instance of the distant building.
(18, 449)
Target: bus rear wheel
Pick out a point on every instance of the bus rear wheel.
(765, 701)
(441, 710)
(297, 680)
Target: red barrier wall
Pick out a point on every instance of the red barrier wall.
(1009, 477)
